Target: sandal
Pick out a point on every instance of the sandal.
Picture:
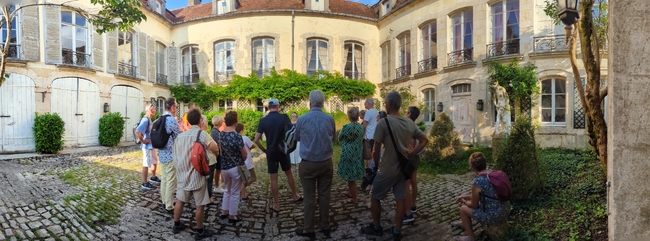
(349, 201)
(273, 210)
(300, 198)
(247, 198)
(457, 224)
(236, 220)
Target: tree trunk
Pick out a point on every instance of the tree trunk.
(8, 18)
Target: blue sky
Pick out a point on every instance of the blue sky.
(173, 4)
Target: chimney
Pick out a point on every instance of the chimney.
(193, 2)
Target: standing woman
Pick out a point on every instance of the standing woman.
(295, 155)
(350, 166)
(233, 154)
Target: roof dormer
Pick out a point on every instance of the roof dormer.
(317, 5)
(223, 6)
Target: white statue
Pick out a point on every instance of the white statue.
(501, 102)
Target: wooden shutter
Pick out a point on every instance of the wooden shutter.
(111, 52)
(142, 56)
(52, 34)
(172, 68)
(30, 44)
(151, 59)
(98, 49)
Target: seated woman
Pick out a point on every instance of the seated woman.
(483, 205)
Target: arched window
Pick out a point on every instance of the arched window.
(354, 61)
(505, 28)
(125, 51)
(74, 39)
(461, 88)
(263, 56)
(429, 57)
(404, 56)
(461, 37)
(429, 112)
(190, 71)
(316, 55)
(224, 60)
(553, 99)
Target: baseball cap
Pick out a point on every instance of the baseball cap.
(274, 102)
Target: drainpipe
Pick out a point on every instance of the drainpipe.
(293, 24)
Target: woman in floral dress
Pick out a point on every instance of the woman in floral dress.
(350, 166)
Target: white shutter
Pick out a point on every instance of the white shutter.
(172, 68)
(111, 52)
(97, 50)
(30, 35)
(151, 59)
(142, 56)
(52, 34)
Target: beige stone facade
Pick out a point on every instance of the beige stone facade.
(214, 40)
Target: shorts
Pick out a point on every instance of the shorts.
(218, 165)
(275, 160)
(148, 158)
(415, 161)
(383, 184)
(200, 195)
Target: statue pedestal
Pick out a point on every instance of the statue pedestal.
(496, 142)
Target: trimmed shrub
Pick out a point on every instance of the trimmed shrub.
(48, 133)
(111, 129)
(444, 143)
(250, 118)
(518, 156)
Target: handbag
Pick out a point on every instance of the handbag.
(244, 174)
(367, 153)
(405, 165)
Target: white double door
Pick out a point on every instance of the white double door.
(129, 101)
(77, 101)
(17, 113)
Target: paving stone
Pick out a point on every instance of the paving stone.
(42, 233)
(21, 220)
(56, 229)
(29, 234)
(32, 213)
(35, 225)
(2, 236)
(9, 232)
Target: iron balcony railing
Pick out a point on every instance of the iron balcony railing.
(403, 71)
(460, 56)
(428, 64)
(190, 79)
(356, 75)
(13, 50)
(554, 43)
(221, 77)
(503, 48)
(80, 59)
(161, 79)
(126, 69)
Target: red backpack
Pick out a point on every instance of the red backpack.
(501, 184)
(199, 158)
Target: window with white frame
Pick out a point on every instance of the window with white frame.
(461, 35)
(13, 51)
(505, 28)
(461, 88)
(316, 55)
(385, 62)
(404, 56)
(553, 99)
(429, 112)
(429, 53)
(189, 69)
(125, 53)
(263, 56)
(225, 105)
(160, 105)
(354, 61)
(74, 39)
(161, 65)
(224, 60)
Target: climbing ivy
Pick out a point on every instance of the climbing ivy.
(519, 81)
(286, 86)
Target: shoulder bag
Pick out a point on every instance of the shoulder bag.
(244, 174)
(405, 165)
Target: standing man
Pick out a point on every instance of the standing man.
(271, 126)
(369, 125)
(389, 174)
(166, 156)
(190, 182)
(184, 124)
(315, 131)
(143, 131)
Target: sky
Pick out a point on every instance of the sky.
(174, 4)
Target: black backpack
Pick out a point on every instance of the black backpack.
(135, 127)
(159, 135)
(287, 141)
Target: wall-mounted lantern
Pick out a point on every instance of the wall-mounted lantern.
(106, 108)
(439, 106)
(568, 11)
(479, 105)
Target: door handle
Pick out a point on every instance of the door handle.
(5, 116)
(78, 114)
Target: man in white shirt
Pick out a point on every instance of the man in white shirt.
(369, 125)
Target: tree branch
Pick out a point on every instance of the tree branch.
(574, 67)
(603, 94)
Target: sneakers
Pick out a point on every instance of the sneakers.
(397, 235)
(177, 229)
(414, 210)
(147, 186)
(218, 190)
(371, 229)
(154, 180)
(167, 211)
(205, 234)
(301, 232)
(408, 219)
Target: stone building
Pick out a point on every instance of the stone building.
(440, 48)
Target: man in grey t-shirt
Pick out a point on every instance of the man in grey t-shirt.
(369, 125)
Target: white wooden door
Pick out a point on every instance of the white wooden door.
(129, 102)
(17, 113)
(462, 116)
(77, 101)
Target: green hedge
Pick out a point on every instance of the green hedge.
(48, 132)
(444, 143)
(111, 129)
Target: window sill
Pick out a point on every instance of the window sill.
(426, 74)
(466, 65)
(127, 77)
(76, 67)
(395, 81)
(504, 58)
(552, 125)
(17, 62)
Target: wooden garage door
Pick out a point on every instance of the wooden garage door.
(77, 101)
(129, 101)
(17, 113)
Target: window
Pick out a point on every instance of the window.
(354, 61)
(125, 53)
(505, 28)
(260, 106)
(429, 112)
(316, 55)
(404, 56)
(74, 39)
(385, 61)
(224, 60)
(386, 6)
(429, 53)
(160, 105)
(225, 105)
(263, 56)
(461, 88)
(189, 70)
(161, 69)
(461, 37)
(13, 50)
(553, 101)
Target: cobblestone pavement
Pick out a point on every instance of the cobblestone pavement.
(97, 197)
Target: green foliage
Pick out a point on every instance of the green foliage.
(210, 114)
(286, 86)
(458, 165)
(408, 99)
(600, 9)
(518, 156)
(444, 143)
(519, 81)
(117, 14)
(421, 126)
(152, 118)
(48, 132)
(551, 10)
(571, 205)
(111, 129)
(250, 118)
